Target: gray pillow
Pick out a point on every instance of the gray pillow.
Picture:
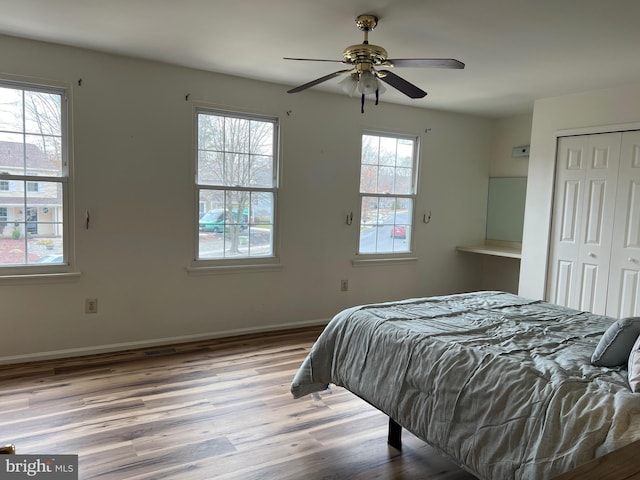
(616, 343)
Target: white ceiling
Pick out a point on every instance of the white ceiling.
(515, 51)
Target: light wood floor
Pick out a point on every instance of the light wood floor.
(216, 409)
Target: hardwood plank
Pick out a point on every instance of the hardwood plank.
(208, 409)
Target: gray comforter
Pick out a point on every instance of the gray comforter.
(501, 384)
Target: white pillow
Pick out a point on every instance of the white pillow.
(634, 367)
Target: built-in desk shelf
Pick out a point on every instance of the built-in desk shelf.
(495, 248)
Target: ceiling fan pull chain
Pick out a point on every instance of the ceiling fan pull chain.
(377, 96)
(362, 103)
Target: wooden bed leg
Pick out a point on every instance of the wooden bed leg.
(395, 434)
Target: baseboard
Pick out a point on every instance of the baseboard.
(117, 347)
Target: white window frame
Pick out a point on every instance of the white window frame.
(373, 257)
(36, 271)
(222, 265)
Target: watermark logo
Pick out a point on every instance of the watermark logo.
(50, 467)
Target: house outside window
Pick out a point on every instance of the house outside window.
(236, 184)
(388, 172)
(34, 176)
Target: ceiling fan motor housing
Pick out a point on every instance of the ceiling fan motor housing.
(365, 52)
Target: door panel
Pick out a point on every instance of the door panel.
(628, 304)
(567, 214)
(586, 181)
(570, 211)
(624, 298)
(595, 212)
(563, 283)
(589, 287)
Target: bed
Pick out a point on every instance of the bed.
(501, 384)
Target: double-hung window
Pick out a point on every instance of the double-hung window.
(34, 176)
(388, 168)
(236, 183)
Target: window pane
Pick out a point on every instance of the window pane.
(46, 199)
(236, 135)
(46, 247)
(211, 200)
(261, 171)
(42, 113)
(388, 151)
(261, 224)
(13, 246)
(210, 168)
(236, 169)
(261, 208)
(369, 179)
(261, 139)
(210, 129)
(370, 149)
(403, 181)
(12, 153)
(386, 180)
(405, 153)
(43, 155)
(11, 118)
(372, 225)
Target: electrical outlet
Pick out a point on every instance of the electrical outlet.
(344, 285)
(91, 305)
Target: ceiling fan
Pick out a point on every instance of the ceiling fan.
(364, 73)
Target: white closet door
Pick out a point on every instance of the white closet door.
(567, 214)
(586, 180)
(624, 279)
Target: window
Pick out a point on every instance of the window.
(236, 183)
(33, 175)
(387, 193)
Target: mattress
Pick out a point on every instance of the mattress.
(501, 384)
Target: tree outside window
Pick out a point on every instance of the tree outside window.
(236, 181)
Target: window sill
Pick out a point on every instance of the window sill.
(38, 278)
(226, 269)
(371, 262)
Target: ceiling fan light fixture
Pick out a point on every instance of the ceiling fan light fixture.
(349, 84)
(368, 83)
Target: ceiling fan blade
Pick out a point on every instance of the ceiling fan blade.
(315, 82)
(313, 60)
(409, 89)
(427, 63)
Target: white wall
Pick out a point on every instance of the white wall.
(132, 145)
(592, 111)
(510, 132)
(500, 273)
